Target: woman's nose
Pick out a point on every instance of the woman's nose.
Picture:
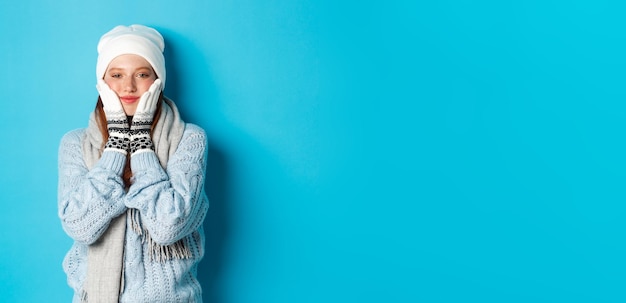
(129, 84)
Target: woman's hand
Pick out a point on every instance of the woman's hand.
(117, 124)
(142, 120)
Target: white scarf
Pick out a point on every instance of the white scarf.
(105, 258)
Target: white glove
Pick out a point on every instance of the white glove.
(140, 139)
(117, 124)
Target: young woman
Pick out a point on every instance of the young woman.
(131, 184)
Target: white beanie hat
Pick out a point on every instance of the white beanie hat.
(135, 39)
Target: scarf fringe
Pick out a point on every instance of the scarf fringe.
(159, 253)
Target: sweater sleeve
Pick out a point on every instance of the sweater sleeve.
(88, 199)
(172, 203)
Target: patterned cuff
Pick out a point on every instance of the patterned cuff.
(140, 141)
(118, 143)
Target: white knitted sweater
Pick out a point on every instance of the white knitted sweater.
(171, 203)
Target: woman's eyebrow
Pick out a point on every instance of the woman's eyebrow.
(123, 68)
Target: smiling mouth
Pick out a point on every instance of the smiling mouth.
(129, 99)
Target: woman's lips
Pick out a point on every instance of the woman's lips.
(129, 99)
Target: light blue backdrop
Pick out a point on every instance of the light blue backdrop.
(361, 151)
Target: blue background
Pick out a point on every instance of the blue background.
(360, 151)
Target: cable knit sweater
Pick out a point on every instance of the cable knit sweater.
(171, 204)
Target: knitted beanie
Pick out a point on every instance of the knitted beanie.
(135, 39)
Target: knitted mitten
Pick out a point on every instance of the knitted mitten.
(140, 139)
(117, 124)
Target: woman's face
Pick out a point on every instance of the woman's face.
(129, 76)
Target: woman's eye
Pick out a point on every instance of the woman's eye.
(116, 75)
(143, 75)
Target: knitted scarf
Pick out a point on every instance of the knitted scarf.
(105, 257)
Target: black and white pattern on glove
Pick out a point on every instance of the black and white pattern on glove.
(140, 136)
(119, 139)
(117, 123)
(117, 143)
(140, 128)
